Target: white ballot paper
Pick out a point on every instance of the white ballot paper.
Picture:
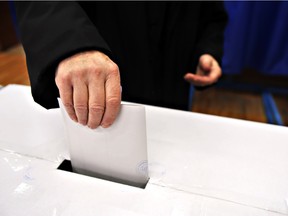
(117, 153)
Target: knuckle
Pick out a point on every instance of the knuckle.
(66, 78)
(70, 110)
(96, 109)
(113, 102)
(81, 108)
(68, 105)
(96, 72)
(114, 69)
(79, 74)
(63, 79)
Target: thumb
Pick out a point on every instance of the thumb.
(205, 62)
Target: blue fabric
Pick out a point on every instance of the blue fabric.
(13, 17)
(256, 37)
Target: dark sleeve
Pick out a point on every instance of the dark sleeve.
(213, 21)
(50, 32)
(211, 32)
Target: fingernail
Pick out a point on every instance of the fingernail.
(82, 123)
(92, 127)
(105, 125)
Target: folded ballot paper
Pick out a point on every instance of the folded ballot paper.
(117, 153)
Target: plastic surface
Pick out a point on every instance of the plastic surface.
(198, 165)
(234, 160)
(29, 129)
(32, 187)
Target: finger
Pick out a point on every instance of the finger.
(199, 80)
(96, 102)
(215, 72)
(80, 99)
(205, 62)
(113, 99)
(66, 95)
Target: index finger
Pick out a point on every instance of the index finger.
(66, 95)
(199, 80)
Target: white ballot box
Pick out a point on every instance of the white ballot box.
(198, 165)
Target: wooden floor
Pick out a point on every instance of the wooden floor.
(242, 103)
(13, 67)
(237, 104)
(227, 103)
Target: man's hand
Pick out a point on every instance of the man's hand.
(208, 72)
(89, 86)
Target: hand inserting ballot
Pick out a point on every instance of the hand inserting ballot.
(89, 87)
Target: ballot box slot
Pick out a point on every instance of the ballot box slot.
(67, 166)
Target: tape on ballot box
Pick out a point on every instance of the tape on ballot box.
(117, 153)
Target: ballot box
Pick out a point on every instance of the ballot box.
(198, 165)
